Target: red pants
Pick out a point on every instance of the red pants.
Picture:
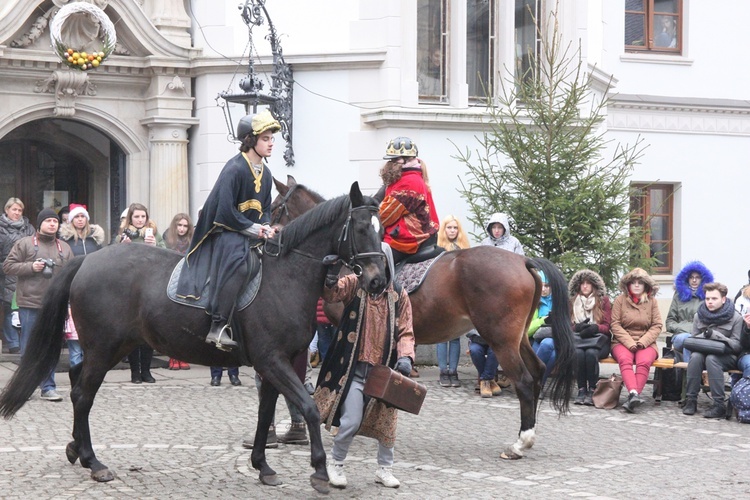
(641, 358)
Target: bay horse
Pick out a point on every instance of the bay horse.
(489, 289)
(116, 308)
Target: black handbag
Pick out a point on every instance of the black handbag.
(706, 346)
(598, 341)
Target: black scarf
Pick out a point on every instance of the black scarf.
(723, 315)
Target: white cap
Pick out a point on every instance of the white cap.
(124, 213)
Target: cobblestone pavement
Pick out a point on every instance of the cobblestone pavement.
(180, 438)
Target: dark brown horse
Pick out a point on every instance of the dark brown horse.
(489, 289)
(116, 309)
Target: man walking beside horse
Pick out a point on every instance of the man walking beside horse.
(374, 330)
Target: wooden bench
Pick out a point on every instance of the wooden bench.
(659, 365)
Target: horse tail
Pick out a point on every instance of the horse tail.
(44, 344)
(562, 335)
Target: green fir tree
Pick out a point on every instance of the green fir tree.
(542, 161)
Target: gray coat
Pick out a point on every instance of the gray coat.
(728, 332)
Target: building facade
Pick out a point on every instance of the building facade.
(145, 125)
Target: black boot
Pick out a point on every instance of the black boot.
(147, 353)
(134, 360)
(219, 335)
(691, 406)
(718, 410)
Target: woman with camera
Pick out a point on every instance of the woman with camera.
(139, 228)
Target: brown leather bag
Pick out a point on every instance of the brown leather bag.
(607, 393)
(394, 389)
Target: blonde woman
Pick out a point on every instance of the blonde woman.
(451, 236)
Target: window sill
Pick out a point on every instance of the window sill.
(655, 58)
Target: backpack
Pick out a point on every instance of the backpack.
(740, 399)
(671, 380)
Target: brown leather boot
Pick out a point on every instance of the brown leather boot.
(496, 389)
(297, 434)
(485, 390)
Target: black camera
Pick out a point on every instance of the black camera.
(48, 265)
(131, 233)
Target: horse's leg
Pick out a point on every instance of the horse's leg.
(287, 381)
(266, 410)
(513, 361)
(535, 367)
(90, 377)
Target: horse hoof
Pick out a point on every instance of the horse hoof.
(510, 455)
(102, 476)
(270, 479)
(320, 485)
(71, 453)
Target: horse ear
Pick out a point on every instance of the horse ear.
(355, 195)
(380, 194)
(280, 187)
(290, 181)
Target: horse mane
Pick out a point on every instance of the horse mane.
(317, 198)
(303, 226)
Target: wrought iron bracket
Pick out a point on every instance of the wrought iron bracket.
(279, 96)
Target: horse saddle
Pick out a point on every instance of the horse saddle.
(410, 275)
(246, 296)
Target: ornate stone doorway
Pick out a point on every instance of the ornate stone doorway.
(55, 162)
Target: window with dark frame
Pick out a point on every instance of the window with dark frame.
(432, 42)
(480, 48)
(653, 26)
(652, 208)
(527, 42)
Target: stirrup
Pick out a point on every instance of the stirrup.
(228, 344)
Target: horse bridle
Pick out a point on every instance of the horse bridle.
(344, 238)
(282, 206)
(354, 254)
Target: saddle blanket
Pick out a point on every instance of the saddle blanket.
(411, 276)
(247, 295)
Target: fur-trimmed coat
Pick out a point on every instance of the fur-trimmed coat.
(685, 302)
(636, 323)
(602, 312)
(82, 246)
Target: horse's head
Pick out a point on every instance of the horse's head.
(293, 200)
(359, 244)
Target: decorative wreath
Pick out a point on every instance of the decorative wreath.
(75, 57)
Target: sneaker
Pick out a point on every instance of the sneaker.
(581, 396)
(385, 477)
(51, 395)
(445, 379)
(336, 476)
(453, 376)
(589, 399)
(310, 388)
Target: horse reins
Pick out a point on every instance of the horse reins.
(344, 237)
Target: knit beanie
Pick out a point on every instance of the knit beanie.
(47, 213)
(76, 209)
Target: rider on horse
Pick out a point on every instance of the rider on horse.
(232, 225)
(407, 211)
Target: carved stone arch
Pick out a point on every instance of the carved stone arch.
(130, 142)
(25, 24)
